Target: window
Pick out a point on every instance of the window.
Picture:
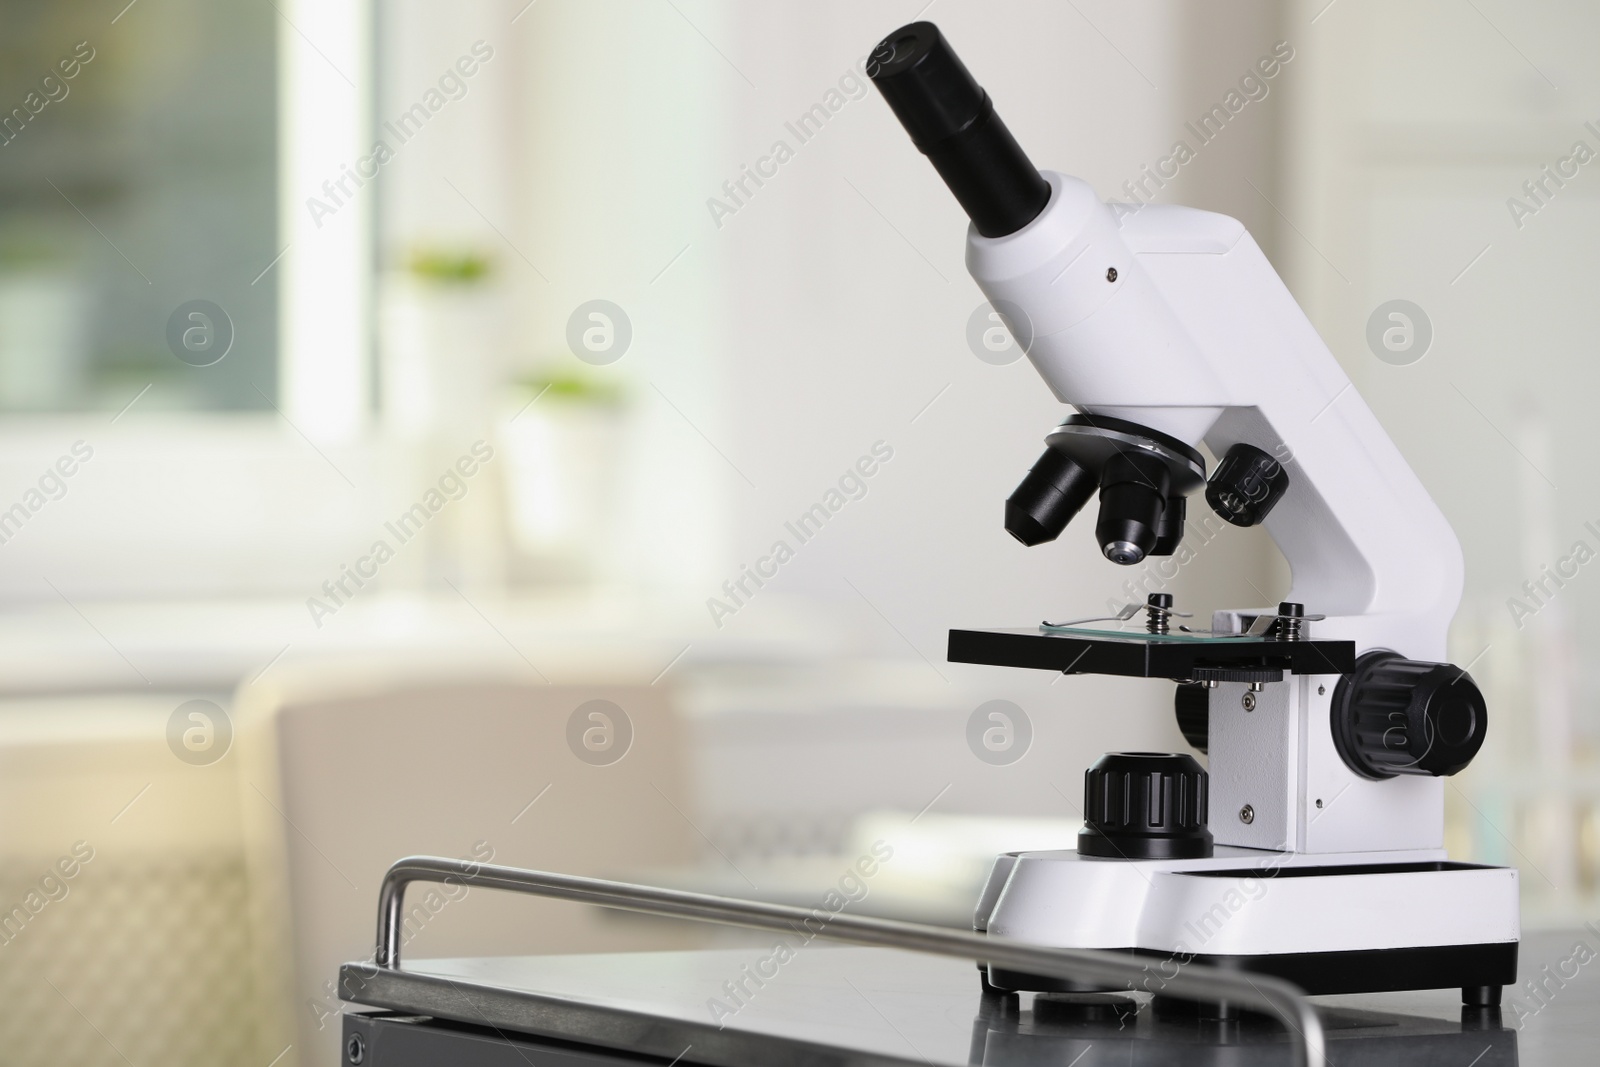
(138, 173)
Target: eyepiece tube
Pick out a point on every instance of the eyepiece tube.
(952, 121)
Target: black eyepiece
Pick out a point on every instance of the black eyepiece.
(1053, 492)
(926, 84)
(951, 120)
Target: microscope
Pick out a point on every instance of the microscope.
(1311, 848)
(1308, 853)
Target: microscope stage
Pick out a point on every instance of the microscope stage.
(1131, 654)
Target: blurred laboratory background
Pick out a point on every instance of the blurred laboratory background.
(562, 433)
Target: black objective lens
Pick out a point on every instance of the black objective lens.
(1169, 534)
(1133, 496)
(953, 123)
(1054, 491)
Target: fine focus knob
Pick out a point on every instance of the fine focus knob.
(1143, 806)
(1246, 485)
(1395, 716)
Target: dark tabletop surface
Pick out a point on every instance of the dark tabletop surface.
(861, 1007)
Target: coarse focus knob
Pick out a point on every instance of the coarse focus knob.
(1246, 485)
(1394, 716)
(1144, 805)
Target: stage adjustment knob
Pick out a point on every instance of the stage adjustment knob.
(1143, 806)
(1395, 716)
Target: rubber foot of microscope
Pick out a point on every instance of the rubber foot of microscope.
(1208, 1010)
(1068, 1008)
(1480, 996)
(997, 1002)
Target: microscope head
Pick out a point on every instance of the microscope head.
(1168, 330)
(1141, 474)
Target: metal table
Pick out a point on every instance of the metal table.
(827, 1006)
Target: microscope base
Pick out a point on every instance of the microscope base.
(1478, 970)
(1348, 923)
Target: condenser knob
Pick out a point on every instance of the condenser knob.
(1393, 716)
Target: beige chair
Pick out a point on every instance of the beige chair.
(345, 770)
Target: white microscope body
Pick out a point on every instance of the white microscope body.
(1171, 320)
(1199, 338)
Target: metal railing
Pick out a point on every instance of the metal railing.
(1192, 982)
